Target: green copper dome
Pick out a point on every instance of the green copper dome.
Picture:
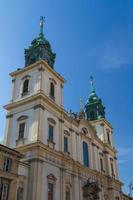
(94, 108)
(40, 49)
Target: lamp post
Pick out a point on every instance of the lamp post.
(131, 188)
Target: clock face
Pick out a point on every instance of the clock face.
(84, 131)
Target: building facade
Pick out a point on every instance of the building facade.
(11, 183)
(66, 155)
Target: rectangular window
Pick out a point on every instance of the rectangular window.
(4, 191)
(50, 191)
(112, 169)
(101, 164)
(85, 154)
(7, 164)
(65, 144)
(51, 133)
(21, 131)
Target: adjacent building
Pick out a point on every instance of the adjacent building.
(11, 183)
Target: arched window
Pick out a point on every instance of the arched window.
(51, 185)
(21, 130)
(25, 87)
(68, 193)
(52, 90)
(85, 154)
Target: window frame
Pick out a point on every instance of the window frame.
(22, 119)
(85, 150)
(20, 189)
(67, 188)
(50, 125)
(24, 93)
(53, 83)
(7, 168)
(101, 164)
(108, 134)
(66, 148)
(19, 132)
(112, 168)
(7, 184)
(51, 179)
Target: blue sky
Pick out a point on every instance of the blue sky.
(90, 37)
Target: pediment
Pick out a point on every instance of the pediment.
(23, 117)
(51, 120)
(86, 128)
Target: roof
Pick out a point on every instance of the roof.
(10, 151)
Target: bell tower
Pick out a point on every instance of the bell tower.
(95, 113)
(94, 108)
(37, 96)
(40, 49)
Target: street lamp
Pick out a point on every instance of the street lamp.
(131, 188)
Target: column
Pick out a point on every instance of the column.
(35, 177)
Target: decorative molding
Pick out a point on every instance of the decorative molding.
(51, 120)
(26, 77)
(20, 141)
(23, 117)
(39, 106)
(41, 69)
(84, 131)
(100, 153)
(61, 120)
(70, 129)
(25, 93)
(66, 133)
(51, 144)
(61, 85)
(111, 159)
(52, 80)
(77, 133)
(51, 177)
(105, 152)
(108, 130)
(13, 80)
(36, 160)
(9, 116)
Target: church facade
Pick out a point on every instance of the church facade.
(62, 155)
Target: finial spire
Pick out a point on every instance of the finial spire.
(41, 24)
(92, 84)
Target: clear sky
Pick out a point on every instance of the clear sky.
(90, 37)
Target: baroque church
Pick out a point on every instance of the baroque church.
(49, 153)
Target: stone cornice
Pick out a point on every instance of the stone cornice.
(64, 161)
(102, 121)
(39, 96)
(39, 106)
(10, 151)
(43, 65)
